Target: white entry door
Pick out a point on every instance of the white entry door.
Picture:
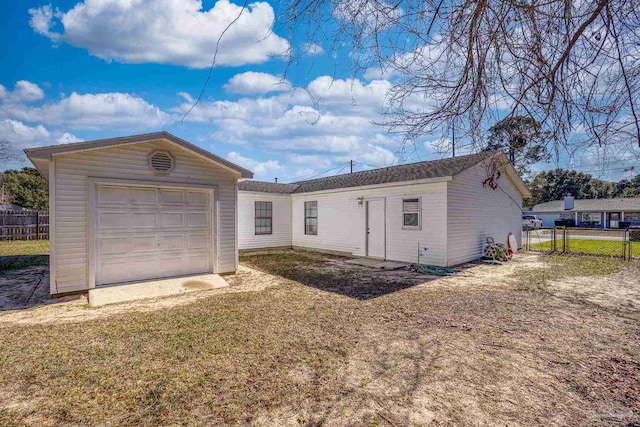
(151, 232)
(375, 229)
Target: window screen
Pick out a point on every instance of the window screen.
(411, 212)
(311, 217)
(263, 218)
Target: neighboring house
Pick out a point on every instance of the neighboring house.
(136, 208)
(599, 213)
(447, 206)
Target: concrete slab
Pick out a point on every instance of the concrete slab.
(376, 263)
(154, 288)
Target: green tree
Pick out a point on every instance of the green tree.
(522, 139)
(26, 188)
(557, 183)
(628, 187)
(629, 192)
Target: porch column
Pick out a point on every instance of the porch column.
(605, 220)
(622, 216)
(576, 214)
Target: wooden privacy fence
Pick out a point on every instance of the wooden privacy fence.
(24, 225)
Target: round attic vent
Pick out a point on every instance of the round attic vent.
(161, 161)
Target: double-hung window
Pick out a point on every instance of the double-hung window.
(411, 213)
(264, 218)
(311, 217)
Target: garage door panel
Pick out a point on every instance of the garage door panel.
(151, 233)
(143, 267)
(112, 195)
(171, 242)
(198, 241)
(172, 219)
(144, 244)
(196, 199)
(172, 264)
(113, 220)
(144, 219)
(171, 197)
(112, 271)
(144, 196)
(197, 219)
(197, 261)
(113, 245)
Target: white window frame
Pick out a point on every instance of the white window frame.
(305, 217)
(256, 218)
(412, 227)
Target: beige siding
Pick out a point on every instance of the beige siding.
(341, 222)
(281, 222)
(475, 212)
(72, 172)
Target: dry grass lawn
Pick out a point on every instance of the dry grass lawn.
(302, 340)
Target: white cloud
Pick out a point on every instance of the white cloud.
(312, 49)
(93, 111)
(321, 126)
(256, 83)
(21, 135)
(176, 32)
(42, 20)
(67, 138)
(23, 91)
(372, 15)
(263, 170)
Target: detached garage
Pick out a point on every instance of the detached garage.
(136, 208)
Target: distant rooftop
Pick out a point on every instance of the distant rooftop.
(595, 205)
(399, 173)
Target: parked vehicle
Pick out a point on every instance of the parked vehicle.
(566, 222)
(531, 222)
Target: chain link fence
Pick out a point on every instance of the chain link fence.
(623, 244)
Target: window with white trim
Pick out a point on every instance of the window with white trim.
(411, 213)
(264, 218)
(311, 218)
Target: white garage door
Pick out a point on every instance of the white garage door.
(145, 233)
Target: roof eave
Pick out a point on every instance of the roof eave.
(62, 149)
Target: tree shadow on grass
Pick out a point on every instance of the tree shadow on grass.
(17, 262)
(24, 282)
(331, 273)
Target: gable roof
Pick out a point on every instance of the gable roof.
(598, 205)
(409, 172)
(36, 155)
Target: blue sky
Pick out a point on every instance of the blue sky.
(79, 70)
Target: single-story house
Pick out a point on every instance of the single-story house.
(443, 210)
(599, 213)
(135, 208)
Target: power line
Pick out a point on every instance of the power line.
(308, 177)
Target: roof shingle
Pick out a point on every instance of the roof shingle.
(266, 187)
(400, 173)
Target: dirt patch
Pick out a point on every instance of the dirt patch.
(76, 308)
(618, 291)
